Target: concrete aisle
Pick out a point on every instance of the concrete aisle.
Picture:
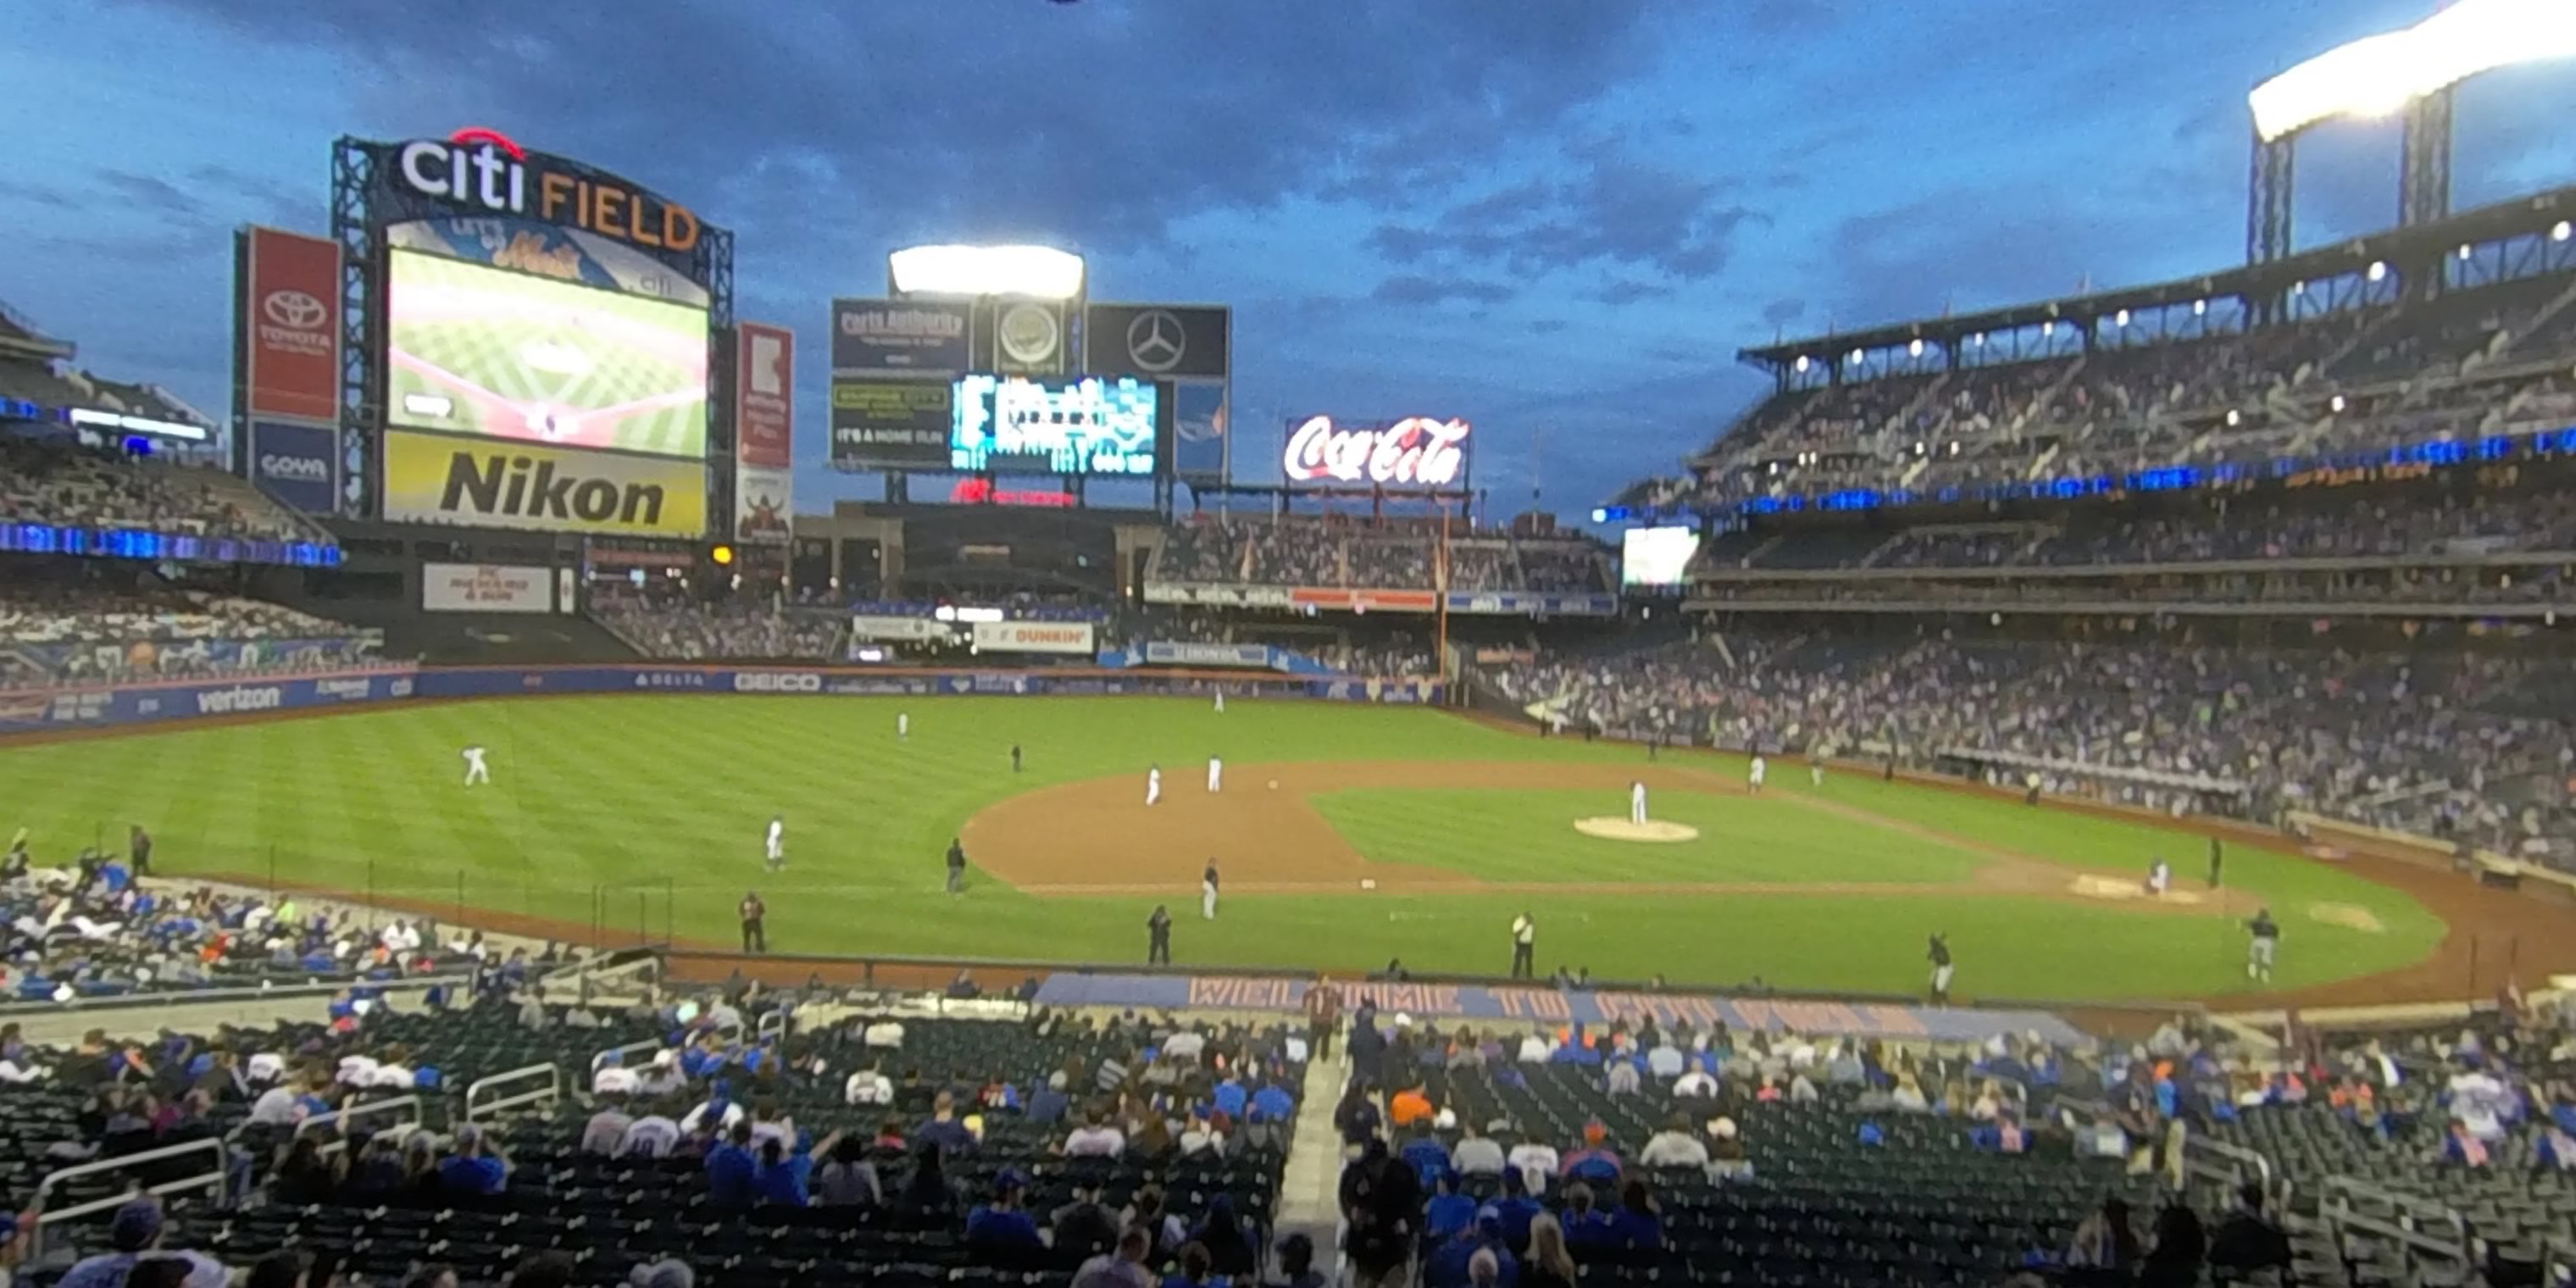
(1309, 1192)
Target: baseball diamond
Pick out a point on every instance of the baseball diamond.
(1348, 836)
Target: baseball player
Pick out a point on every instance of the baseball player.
(1216, 774)
(2159, 877)
(475, 770)
(1939, 955)
(1637, 803)
(902, 725)
(776, 847)
(1153, 784)
(1220, 702)
(1761, 769)
(1815, 769)
(1207, 891)
(2266, 945)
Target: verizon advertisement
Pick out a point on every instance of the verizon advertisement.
(290, 325)
(1416, 453)
(486, 588)
(1033, 637)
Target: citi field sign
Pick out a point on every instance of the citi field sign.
(1417, 451)
(485, 172)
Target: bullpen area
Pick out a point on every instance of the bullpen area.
(1346, 836)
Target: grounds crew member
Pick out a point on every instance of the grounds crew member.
(755, 938)
(1524, 947)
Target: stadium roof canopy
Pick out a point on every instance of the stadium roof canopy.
(2423, 242)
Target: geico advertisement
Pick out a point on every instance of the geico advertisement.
(540, 489)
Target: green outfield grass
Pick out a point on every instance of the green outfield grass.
(650, 790)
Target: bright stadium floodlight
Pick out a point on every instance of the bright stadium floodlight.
(1040, 272)
(2377, 75)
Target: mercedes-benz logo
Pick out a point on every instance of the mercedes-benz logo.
(1156, 340)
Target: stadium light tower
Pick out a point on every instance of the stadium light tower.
(2415, 70)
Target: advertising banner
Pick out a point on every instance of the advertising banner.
(1029, 339)
(914, 629)
(299, 465)
(30, 711)
(1165, 592)
(290, 309)
(486, 588)
(1159, 340)
(1183, 653)
(892, 422)
(764, 503)
(526, 488)
(922, 336)
(548, 250)
(1416, 452)
(764, 415)
(1034, 637)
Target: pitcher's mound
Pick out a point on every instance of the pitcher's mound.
(2092, 887)
(1620, 829)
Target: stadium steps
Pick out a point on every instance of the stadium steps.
(1310, 1189)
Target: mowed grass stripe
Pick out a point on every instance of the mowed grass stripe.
(646, 790)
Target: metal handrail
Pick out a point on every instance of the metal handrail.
(618, 1054)
(2261, 1165)
(2337, 1204)
(194, 996)
(478, 1109)
(341, 1118)
(219, 1180)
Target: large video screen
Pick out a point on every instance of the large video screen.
(481, 350)
(1089, 425)
(1656, 557)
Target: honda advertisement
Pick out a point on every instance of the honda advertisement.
(298, 465)
(290, 325)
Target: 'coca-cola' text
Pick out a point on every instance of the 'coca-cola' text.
(1414, 452)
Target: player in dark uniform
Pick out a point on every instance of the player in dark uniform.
(2266, 945)
(755, 937)
(1015, 758)
(2217, 861)
(956, 865)
(1158, 937)
(1938, 953)
(139, 847)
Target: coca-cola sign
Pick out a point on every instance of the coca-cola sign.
(1416, 451)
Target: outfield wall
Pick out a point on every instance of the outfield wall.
(63, 710)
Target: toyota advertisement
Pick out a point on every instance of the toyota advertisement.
(298, 465)
(289, 325)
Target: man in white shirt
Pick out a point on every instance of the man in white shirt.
(1537, 1160)
(1216, 774)
(1153, 784)
(699, 1117)
(1524, 947)
(1623, 1078)
(1675, 1146)
(275, 1107)
(614, 1080)
(885, 1035)
(902, 725)
(2478, 1101)
(1534, 1049)
(1187, 1044)
(1476, 1154)
(1761, 769)
(1095, 1139)
(1697, 1084)
(776, 848)
(475, 770)
(1637, 804)
(868, 1087)
(606, 1131)
(651, 1136)
(1665, 1060)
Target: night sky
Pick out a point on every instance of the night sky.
(1559, 220)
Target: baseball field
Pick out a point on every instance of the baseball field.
(1347, 836)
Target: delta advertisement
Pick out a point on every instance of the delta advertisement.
(527, 488)
(486, 588)
(41, 710)
(290, 325)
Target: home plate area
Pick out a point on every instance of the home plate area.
(1620, 829)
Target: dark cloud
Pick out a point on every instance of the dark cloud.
(1629, 291)
(1414, 288)
(150, 192)
(1783, 311)
(1616, 210)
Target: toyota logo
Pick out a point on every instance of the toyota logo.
(294, 310)
(1156, 340)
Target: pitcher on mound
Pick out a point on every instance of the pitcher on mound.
(1637, 804)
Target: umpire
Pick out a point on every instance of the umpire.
(956, 865)
(1158, 937)
(755, 938)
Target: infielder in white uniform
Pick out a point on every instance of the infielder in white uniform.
(2159, 878)
(1816, 771)
(777, 846)
(1216, 774)
(1153, 784)
(475, 770)
(1637, 803)
(1761, 769)
(903, 724)
(1220, 702)
(1207, 892)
